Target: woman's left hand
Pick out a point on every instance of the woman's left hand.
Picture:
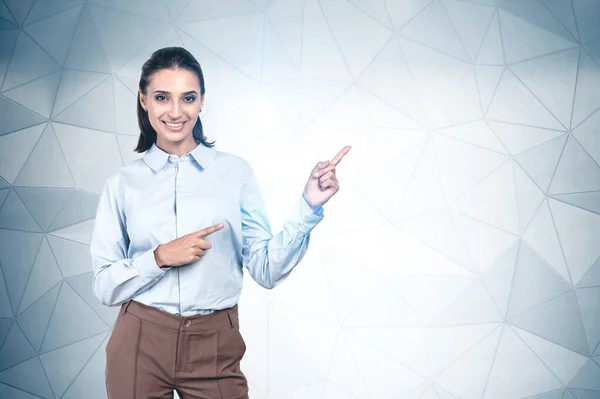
(322, 183)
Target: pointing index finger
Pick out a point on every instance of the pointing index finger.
(209, 230)
(340, 155)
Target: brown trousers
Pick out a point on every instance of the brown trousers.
(150, 353)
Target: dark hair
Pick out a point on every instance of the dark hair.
(167, 58)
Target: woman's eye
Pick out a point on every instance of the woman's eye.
(188, 99)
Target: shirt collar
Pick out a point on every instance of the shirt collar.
(156, 158)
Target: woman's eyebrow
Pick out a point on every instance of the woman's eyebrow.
(167, 92)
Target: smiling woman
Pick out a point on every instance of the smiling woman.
(174, 232)
(175, 109)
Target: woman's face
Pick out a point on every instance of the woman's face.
(173, 102)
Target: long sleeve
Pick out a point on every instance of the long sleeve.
(271, 258)
(117, 278)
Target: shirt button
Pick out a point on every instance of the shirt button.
(187, 323)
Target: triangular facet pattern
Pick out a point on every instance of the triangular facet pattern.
(474, 306)
(82, 112)
(563, 362)
(465, 107)
(64, 364)
(444, 38)
(558, 321)
(587, 379)
(45, 88)
(14, 215)
(534, 282)
(493, 200)
(45, 9)
(80, 206)
(34, 320)
(437, 76)
(542, 236)
(62, 26)
(459, 260)
(589, 308)
(46, 166)
(586, 101)
(66, 325)
(499, 277)
(484, 242)
(555, 88)
(28, 376)
(471, 21)
(587, 17)
(83, 286)
(389, 78)
(28, 62)
(478, 359)
(15, 149)
(587, 135)
(43, 203)
(488, 77)
(577, 229)
(518, 138)
(463, 165)
(380, 384)
(491, 51)
(541, 162)
(568, 177)
(358, 46)
(530, 30)
(218, 36)
(15, 348)
(87, 381)
(401, 12)
(528, 376)
(44, 275)
(17, 265)
(16, 117)
(513, 102)
(563, 11)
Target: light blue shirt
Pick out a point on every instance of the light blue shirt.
(160, 197)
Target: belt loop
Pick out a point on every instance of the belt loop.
(125, 306)
(229, 317)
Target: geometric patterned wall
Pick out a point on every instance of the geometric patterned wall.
(461, 258)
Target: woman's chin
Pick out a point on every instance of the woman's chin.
(175, 136)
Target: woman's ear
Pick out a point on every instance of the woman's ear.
(142, 100)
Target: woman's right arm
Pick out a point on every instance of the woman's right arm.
(117, 278)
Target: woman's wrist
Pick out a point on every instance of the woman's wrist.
(158, 257)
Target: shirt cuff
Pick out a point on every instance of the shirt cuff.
(316, 211)
(303, 218)
(146, 266)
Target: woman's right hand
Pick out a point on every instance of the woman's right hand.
(185, 249)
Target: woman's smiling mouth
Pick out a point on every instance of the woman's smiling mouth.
(174, 126)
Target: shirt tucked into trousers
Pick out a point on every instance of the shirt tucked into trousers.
(159, 198)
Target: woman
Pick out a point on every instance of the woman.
(173, 231)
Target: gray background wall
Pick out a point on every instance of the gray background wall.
(459, 260)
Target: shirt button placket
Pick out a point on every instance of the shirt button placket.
(177, 229)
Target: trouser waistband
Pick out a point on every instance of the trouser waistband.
(200, 322)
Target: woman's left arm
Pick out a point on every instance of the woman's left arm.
(271, 258)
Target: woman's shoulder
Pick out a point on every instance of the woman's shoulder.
(121, 174)
(230, 160)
